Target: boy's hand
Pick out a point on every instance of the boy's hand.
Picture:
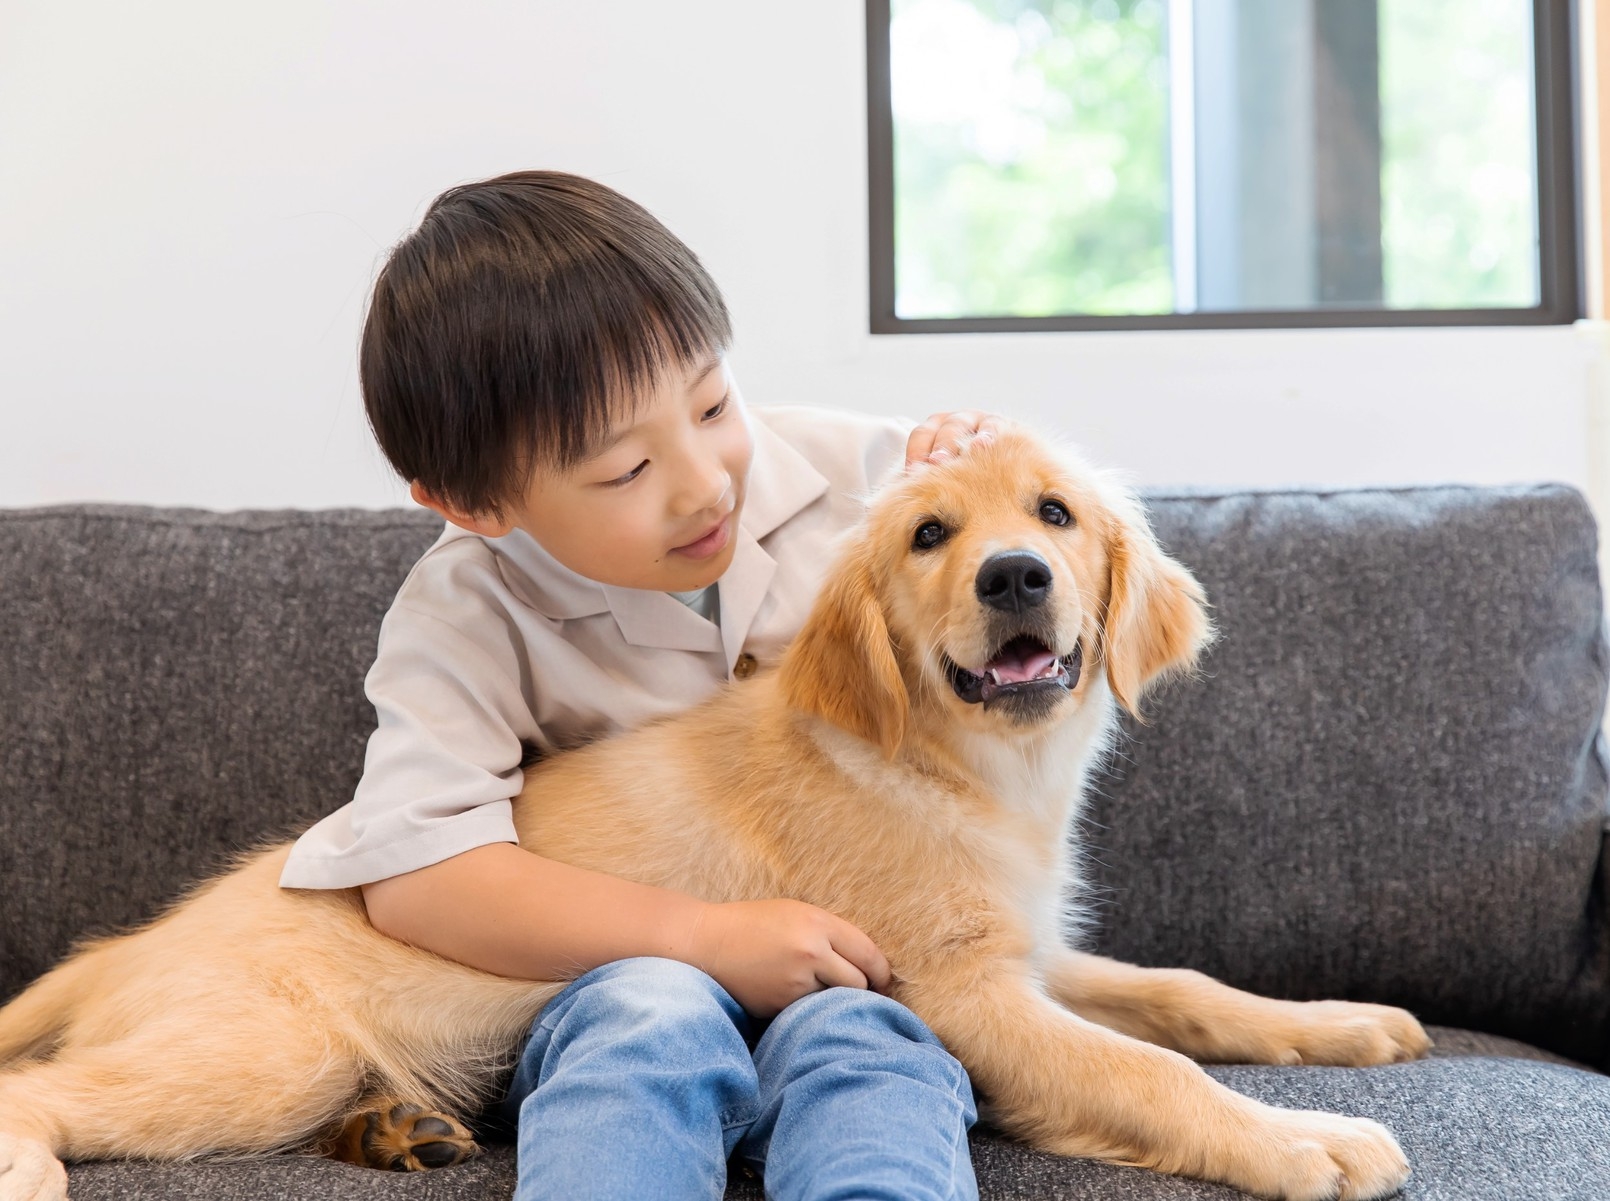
(945, 434)
(769, 954)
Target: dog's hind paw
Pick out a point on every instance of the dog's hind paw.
(29, 1172)
(1341, 1033)
(398, 1136)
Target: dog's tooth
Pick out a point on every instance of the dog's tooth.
(995, 675)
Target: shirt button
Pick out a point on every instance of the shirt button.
(745, 666)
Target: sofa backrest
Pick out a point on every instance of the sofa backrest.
(175, 685)
(1387, 782)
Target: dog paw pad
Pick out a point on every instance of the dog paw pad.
(407, 1138)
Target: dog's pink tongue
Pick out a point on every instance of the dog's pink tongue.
(1018, 662)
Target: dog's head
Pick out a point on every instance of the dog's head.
(1004, 587)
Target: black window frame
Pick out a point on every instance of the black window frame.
(1559, 235)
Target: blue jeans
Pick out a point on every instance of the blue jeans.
(644, 1077)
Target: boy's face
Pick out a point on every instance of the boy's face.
(658, 507)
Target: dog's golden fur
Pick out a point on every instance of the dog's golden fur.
(857, 777)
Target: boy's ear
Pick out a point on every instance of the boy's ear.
(842, 666)
(1156, 622)
(476, 523)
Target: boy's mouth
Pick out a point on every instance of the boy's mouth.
(710, 542)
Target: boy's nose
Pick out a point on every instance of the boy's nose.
(705, 490)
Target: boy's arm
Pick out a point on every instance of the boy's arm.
(452, 723)
(504, 910)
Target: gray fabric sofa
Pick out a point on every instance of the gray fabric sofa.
(1388, 784)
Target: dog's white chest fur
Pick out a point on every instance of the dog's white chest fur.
(1037, 782)
(1044, 779)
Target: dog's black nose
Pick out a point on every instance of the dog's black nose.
(1013, 581)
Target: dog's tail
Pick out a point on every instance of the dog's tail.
(33, 1019)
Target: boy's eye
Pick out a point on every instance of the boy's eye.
(710, 414)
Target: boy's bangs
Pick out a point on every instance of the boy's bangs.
(613, 340)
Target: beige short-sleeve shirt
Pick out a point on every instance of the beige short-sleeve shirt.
(491, 645)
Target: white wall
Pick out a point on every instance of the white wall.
(194, 198)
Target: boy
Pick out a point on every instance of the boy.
(545, 363)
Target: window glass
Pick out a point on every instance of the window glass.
(1134, 157)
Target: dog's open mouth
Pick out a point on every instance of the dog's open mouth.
(1023, 664)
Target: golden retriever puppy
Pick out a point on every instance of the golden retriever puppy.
(914, 765)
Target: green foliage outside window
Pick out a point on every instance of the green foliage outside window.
(1038, 183)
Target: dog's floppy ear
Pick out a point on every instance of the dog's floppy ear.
(1157, 621)
(842, 666)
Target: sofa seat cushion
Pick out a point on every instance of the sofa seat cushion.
(1483, 1118)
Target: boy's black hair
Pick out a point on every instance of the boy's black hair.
(524, 316)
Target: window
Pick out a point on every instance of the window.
(1088, 164)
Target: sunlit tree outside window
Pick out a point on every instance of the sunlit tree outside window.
(1031, 157)
(1459, 196)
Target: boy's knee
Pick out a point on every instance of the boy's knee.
(643, 1024)
(670, 978)
(644, 996)
(845, 1012)
(856, 1030)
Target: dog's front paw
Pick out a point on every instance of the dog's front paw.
(399, 1136)
(1344, 1034)
(29, 1172)
(1311, 1156)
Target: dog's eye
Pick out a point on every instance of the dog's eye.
(929, 535)
(1053, 512)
